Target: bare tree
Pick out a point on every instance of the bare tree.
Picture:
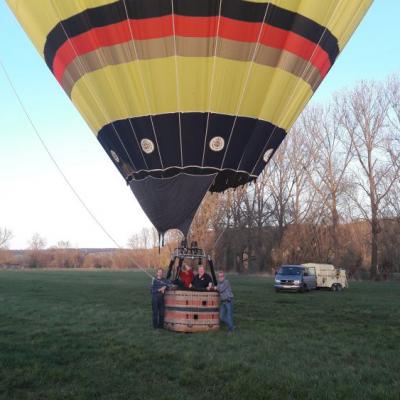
(280, 184)
(326, 167)
(144, 239)
(392, 91)
(5, 237)
(303, 194)
(37, 242)
(233, 235)
(63, 244)
(208, 218)
(36, 257)
(363, 114)
(154, 237)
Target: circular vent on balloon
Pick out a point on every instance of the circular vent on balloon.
(268, 154)
(114, 156)
(217, 143)
(147, 145)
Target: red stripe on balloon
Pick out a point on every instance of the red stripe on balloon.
(155, 28)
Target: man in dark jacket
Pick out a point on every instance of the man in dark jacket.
(202, 281)
(158, 287)
(226, 298)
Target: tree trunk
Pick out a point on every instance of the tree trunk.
(375, 272)
(334, 231)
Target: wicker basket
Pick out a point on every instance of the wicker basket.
(191, 311)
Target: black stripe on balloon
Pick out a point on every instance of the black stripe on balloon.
(235, 9)
(250, 139)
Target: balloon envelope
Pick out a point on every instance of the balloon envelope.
(189, 96)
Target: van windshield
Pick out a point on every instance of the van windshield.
(288, 270)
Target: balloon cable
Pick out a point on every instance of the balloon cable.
(61, 172)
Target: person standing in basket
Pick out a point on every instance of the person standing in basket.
(186, 277)
(226, 297)
(202, 281)
(158, 287)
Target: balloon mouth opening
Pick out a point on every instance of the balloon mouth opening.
(171, 203)
(161, 236)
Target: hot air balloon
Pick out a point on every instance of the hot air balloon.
(188, 96)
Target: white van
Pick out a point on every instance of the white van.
(329, 277)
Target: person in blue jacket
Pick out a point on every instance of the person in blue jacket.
(158, 287)
(226, 298)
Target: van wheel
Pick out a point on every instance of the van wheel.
(303, 288)
(334, 287)
(277, 290)
(339, 287)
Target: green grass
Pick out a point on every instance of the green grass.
(87, 335)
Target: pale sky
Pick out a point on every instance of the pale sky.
(33, 196)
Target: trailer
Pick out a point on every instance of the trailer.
(328, 276)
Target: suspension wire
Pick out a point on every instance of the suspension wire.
(85, 71)
(145, 91)
(219, 237)
(178, 96)
(246, 82)
(301, 78)
(59, 169)
(212, 81)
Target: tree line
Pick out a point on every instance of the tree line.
(330, 193)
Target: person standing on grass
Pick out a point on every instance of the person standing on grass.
(158, 287)
(226, 298)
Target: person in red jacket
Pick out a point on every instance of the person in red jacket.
(186, 276)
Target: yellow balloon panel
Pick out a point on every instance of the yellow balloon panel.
(241, 88)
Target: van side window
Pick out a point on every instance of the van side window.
(311, 271)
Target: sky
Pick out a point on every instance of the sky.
(33, 196)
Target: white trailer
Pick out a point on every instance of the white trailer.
(329, 277)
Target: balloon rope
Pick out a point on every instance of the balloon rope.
(59, 169)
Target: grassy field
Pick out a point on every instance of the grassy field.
(87, 335)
